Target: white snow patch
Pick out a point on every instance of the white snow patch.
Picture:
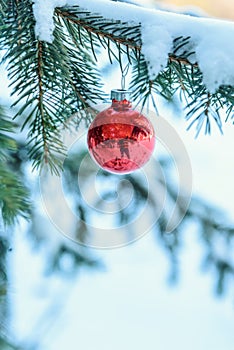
(211, 39)
(156, 44)
(216, 57)
(43, 11)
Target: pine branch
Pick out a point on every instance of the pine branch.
(181, 75)
(52, 81)
(14, 197)
(120, 33)
(106, 29)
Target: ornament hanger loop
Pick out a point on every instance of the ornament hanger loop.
(124, 73)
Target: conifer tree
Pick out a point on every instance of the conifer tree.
(53, 73)
(51, 80)
(55, 83)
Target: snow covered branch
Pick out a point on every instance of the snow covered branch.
(210, 45)
(169, 54)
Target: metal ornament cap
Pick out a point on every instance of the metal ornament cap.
(120, 95)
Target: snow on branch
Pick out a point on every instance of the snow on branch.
(211, 40)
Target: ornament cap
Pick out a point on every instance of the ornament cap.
(120, 94)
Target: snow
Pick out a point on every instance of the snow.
(43, 11)
(211, 39)
(155, 37)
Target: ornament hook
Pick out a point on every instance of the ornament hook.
(124, 74)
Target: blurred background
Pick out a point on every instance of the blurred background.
(162, 291)
(216, 8)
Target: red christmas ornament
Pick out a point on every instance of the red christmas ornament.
(120, 139)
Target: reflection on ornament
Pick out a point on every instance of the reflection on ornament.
(120, 139)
